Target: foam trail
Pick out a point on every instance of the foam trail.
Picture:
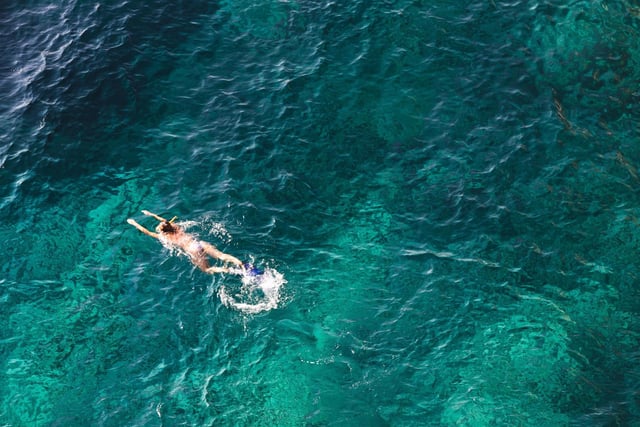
(257, 294)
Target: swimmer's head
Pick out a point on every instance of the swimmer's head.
(167, 227)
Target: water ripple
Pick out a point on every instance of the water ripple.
(447, 188)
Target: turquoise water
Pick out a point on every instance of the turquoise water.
(446, 195)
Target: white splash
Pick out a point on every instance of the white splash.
(257, 293)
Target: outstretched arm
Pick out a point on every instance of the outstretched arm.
(141, 228)
(213, 252)
(159, 218)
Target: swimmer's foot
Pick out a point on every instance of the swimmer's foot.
(251, 269)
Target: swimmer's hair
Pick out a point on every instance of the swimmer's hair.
(167, 227)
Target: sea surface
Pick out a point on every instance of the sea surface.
(444, 196)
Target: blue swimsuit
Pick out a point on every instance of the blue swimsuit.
(252, 270)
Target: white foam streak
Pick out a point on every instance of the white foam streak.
(257, 294)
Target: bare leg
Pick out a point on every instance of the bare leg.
(213, 270)
(231, 259)
(201, 263)
(213, 252)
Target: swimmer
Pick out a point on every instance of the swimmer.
(198, 250)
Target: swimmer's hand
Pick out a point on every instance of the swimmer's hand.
(147, 213)
(132, 222)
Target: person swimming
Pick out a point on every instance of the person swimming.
(198, 251)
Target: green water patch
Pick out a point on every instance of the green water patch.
(63, 282)
(265, 19)
(587, 53)
(514, 371)
(453, 254)
(537, 367)
(307, 370)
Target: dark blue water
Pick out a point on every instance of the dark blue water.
(445, 196)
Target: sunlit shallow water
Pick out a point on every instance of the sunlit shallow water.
(444, 197)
